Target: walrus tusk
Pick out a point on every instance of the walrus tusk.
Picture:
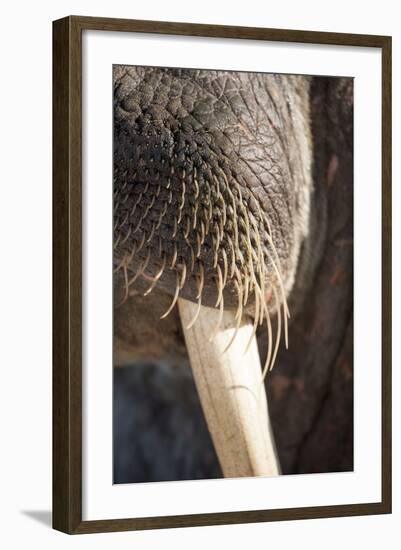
(231, 391)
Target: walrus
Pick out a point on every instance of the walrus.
(233, 190)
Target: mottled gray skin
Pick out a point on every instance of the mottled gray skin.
(246, 134)
(288, 142)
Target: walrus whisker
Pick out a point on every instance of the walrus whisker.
(202, 228)
(201, 280)
(237, 318)
(120, 265)
(260, 258)
(225, 265)
(126, 291)
(199, 298)
(195, 317)
(141, 243)
(220, 224)
(160, 246)
(270, 343)
(152, 231)
(219, 285)
(278, 328)
(196, 188)
(181, 205)
(124, 220)
(194, 215)
(209, 217)
(174, 258)
(285, 308)
(162, 214)
(255, 320)
(183, 266)
(175, 228)
(218, 236)
(156, 277)
(143, 265)
(175, 298)
(279, 278)
(224, 209)
(149, 206)
(277, 270)
(117, 241)
(198, 245)
(189, 245)
(138, 225)
(240, 290)
(246, 291)
(285, 330)
(235, 217)
(188, 227)
(215, 251)
(206, 220)
(220, 318)
(233, 264)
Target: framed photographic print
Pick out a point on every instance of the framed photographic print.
(222, 273)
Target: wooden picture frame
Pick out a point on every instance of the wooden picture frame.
(67, 274)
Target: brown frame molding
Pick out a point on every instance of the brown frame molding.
(67, 313)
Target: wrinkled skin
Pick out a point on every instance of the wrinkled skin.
(286, 142)
(206, 165)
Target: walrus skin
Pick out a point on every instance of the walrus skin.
(213, 177)
(285, 142)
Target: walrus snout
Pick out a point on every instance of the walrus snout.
(207, 188)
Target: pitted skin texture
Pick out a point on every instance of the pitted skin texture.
(212, 182)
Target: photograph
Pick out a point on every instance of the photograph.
(222, 268)
(233, 221)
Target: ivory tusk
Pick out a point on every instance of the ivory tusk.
(231, 391)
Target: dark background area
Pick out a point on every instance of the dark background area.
(160, 433)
